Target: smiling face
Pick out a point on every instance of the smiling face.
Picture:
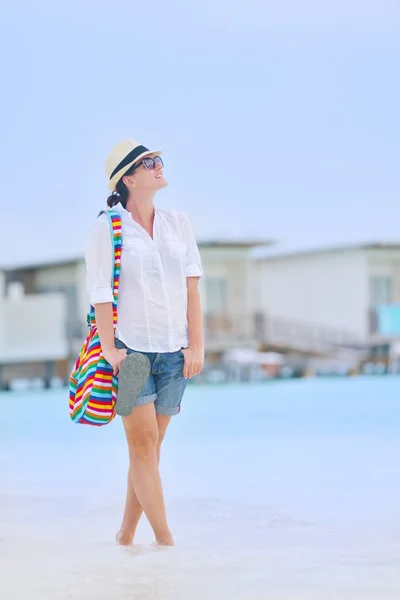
(144, 178)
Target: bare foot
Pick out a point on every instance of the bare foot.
(166, 539)
(124, 538)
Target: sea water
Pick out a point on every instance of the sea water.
(281, 490)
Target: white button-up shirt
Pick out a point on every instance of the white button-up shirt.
(152, 300)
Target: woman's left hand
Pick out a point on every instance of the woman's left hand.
(194, 361)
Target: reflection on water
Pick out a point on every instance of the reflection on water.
(283, 491)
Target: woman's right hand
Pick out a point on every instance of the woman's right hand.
(114, 356)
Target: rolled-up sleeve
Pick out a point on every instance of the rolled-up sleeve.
(193, 267)
(99, 264)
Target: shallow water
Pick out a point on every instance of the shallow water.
(285, 490)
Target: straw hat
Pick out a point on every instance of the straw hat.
(122, 157)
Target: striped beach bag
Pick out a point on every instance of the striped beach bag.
(92, 385)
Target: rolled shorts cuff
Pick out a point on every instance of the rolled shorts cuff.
(167, 411)
(142, 400)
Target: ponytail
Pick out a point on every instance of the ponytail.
(119, 195)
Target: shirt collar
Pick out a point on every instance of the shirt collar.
(125, 214)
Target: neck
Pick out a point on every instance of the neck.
(141, 207)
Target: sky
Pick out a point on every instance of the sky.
(278, 120)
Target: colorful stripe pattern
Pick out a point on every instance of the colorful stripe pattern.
(92, 385)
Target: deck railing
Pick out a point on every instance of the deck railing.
(260, 328)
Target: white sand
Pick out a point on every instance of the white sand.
(293, 499)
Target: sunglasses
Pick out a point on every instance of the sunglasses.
(150, 163)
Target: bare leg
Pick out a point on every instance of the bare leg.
(133, 511)
(145, 434)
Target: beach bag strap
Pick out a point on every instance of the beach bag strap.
(116, 242)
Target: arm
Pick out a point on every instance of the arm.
(105, 328)
(194, 316)
(194, 354)
(99, 260)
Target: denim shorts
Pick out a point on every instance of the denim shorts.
(166, 383)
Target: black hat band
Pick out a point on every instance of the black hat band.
(131, 157)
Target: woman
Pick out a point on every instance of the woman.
(159, 316)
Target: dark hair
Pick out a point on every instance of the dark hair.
(121, 193)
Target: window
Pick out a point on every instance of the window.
(216, 294)
(380, 290)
